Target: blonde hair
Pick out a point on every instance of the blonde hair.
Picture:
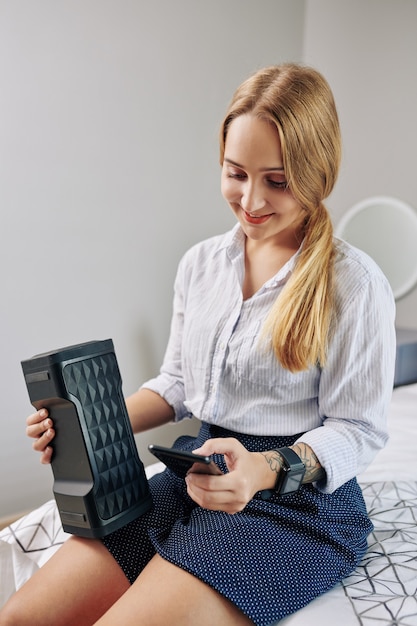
(299, 101)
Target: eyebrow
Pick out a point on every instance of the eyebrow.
(263, 169)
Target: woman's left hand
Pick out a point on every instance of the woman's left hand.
(230, 492)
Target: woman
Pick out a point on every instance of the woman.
(282, 343)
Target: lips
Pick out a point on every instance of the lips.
(255, 219)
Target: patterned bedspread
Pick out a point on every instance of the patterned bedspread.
(383, 590)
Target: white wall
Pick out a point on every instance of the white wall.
(109, 114)
(367, 49)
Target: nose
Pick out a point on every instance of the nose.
(253, 198)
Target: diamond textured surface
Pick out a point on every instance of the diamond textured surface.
(95, 382)
(383, 589)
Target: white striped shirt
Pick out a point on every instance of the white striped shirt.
(216, 369)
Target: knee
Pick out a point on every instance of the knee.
(13, 614)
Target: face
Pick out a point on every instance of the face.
(254, 184)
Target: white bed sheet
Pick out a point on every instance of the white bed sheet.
(382, 591)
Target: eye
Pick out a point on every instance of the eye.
(278, 184)
(236, 175)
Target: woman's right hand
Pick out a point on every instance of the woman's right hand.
(39, 426)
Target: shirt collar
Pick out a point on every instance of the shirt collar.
(234, 244)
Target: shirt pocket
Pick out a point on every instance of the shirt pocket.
(251, 359)
(257, 364)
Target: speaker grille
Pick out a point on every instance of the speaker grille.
(94, 382)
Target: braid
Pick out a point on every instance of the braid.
(300, 320)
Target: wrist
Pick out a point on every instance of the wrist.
(270, 467)
(289, 470)
(292, 472)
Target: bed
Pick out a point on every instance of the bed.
(381, 592)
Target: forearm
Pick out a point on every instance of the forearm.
(314, 471)
(147, 410)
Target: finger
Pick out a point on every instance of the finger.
(37, 417)
(46, 456)
(209, 482)
(224, 487)
(39, 428)
(214, 500)
(221, 445)
(208, 486)
(44, 440)
(231, 449)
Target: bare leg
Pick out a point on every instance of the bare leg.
(75, 587)
(165, 594)
(82, 581)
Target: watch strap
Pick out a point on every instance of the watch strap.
(292, 472)
(290, 457)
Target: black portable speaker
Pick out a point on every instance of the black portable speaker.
(99, 480)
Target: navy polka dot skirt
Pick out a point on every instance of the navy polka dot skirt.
(271, 559)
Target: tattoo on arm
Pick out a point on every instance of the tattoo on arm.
(314, 471)
(274, 460)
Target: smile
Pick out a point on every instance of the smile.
(256, 219)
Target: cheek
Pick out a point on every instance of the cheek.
(228, 189)
(290, 206)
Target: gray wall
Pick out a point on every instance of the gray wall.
(368, 51)
(109, 116)
(109, 113)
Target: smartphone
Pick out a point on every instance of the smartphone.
(181, 462)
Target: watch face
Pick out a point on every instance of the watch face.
(292, 472)
(292, 482)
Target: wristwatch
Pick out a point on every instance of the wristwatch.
(290, 475)
(292, 472)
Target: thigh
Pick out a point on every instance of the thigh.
(275, 556)
(76, 586)
(165, 594)
(131, 546)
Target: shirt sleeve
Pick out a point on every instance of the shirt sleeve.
(169, 384)
(356, 385)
